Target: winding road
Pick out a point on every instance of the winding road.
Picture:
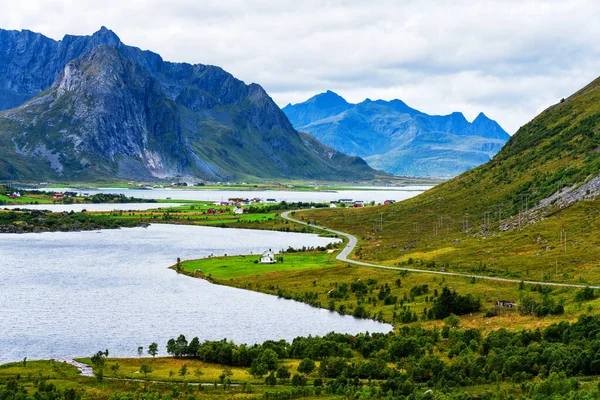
(353, 241)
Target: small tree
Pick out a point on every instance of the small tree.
(258, 369)
(299, 380)
(145, 369)
(99, 359)
(306, 366)
(153, 349)
(140, 351)
(283, 372)
(183, 371)
(271, 380)
(115, 367)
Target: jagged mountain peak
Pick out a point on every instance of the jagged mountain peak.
(90, 107)
(108, 36)
(402, 140)
(328, 99)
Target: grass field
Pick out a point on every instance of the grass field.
(244, 266)
(313, 285)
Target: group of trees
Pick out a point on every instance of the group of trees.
(36, 220)
(413, 356)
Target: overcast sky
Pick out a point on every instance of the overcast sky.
(507, 58)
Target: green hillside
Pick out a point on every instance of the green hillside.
(507, 217)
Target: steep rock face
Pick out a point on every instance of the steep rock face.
(113, 110)
(397, 138)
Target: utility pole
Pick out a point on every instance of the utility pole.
(563, 240)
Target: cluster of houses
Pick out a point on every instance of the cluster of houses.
(61, 195)
(236, 210)
(354, 203)
(348, 203)
(238, 202)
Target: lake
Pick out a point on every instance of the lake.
(378, 196)
(68, 294)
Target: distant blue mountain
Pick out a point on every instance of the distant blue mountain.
(398, 139)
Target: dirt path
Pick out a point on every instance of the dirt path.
(353, 241)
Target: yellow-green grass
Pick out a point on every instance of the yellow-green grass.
(65, 376)
(50, 369)
(233, 267)
(318, 282)
(168, 368)
(530, 253)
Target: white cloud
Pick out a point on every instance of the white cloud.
(507, 58)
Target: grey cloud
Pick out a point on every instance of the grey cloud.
(508, 58)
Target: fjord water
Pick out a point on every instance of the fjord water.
(73, 293)
(378, 196)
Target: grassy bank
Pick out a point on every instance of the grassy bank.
(235, 267)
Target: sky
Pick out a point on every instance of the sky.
(509, 58)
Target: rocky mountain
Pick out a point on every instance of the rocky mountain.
(398, 139)
(90, 107)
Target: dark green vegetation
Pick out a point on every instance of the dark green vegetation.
(398, 139)
(558, 362)
(530, 213)
(407, 298)
(173, 120)
(22, 221)
(47, 197)
(542, 363)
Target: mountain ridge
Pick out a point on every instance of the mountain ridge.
(113, 110)
(396, 138)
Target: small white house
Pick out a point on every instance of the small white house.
(332, 205)
(238, 210)
(268, 257)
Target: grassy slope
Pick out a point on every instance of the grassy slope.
(558, 148)
(313, 286)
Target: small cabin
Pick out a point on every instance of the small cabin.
(506, 303)
(211, 211)
(238, 210)
(268, 257)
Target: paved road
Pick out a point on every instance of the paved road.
(352, 242)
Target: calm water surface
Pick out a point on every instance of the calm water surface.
(378, 196)
(74, 293)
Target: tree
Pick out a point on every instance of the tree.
(452, 321)
(145, 369)
(283, 372)
(258, 368)
(270, 358)
(271, 380)
(99, 359)
(299, 380)
(140, 351)
(193, 347)
(181, 345)
(153, 349)
(306, 366)
(115, 367)
(183, 371)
